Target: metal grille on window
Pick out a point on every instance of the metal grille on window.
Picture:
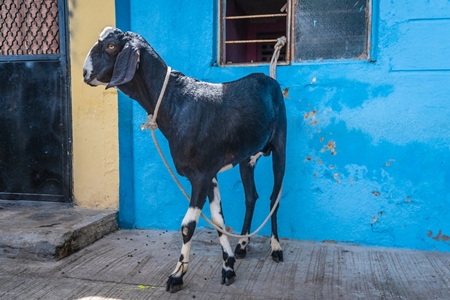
(331, 29)
(29, 27)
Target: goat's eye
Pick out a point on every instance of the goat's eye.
(111, 47)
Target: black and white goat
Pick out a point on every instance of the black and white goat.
(209, 127)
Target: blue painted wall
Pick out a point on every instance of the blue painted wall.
(388, 123)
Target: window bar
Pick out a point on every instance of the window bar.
(222, 32)
(251, 41)
(289, 25)
(255, 16)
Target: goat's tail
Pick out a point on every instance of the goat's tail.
(278, 149)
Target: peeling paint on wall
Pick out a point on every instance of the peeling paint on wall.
(330, 146)
(439, 236)
(312, 116)
(388, 163)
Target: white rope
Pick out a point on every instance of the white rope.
(281, 41)
(151, 119)
(151, 123)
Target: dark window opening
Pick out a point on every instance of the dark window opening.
(250, 28)
(265, 50)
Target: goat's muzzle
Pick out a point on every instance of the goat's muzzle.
(86, 78)
(91, 80)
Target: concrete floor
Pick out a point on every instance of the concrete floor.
(135, 265)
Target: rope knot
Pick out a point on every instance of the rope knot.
(149, 123)
(281, 41)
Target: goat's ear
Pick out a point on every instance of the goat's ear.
(126, 64)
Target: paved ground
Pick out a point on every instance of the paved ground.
(135, 264)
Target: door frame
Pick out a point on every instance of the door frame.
(66, 107)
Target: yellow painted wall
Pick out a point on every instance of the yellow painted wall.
(94, 112)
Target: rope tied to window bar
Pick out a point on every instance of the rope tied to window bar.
(281, 41)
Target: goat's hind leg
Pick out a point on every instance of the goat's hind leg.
(277, 252)
(228, 274)
(247, 170)
(278, 165)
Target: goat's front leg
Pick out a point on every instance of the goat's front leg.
(199, 192)
(228, 274)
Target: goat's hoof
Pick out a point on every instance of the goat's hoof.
(240, 253)
(174, 284)
(228, 277)
(277, 255)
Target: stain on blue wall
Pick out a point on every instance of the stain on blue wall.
(368, 142)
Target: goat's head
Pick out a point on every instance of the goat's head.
(113, 60)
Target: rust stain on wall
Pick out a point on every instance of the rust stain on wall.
(388, 163)
(336, 177)
(330, 146)
(376, 217)
(311, 115)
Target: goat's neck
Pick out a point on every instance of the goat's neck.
(148, 80)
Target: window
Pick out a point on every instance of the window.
(331, 29)
(315, 30)
(29, 27)
(249, 30)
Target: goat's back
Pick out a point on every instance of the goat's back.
(231, 120)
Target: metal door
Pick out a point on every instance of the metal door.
(35, 131)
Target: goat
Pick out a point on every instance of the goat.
(210, 127)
